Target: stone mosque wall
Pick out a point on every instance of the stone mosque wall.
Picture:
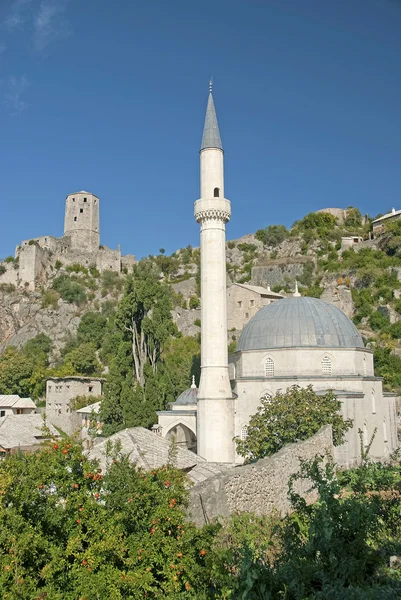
(259, 487)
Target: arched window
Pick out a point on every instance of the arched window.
(216, 192)
(326, 365)
(373, 398)
(384, 430)
(269, 367)
(244, 433)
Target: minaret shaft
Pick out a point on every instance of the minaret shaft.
(215, 414)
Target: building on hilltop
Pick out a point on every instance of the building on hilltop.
(244, 301)
(379, 224)
(292, 341)
(80, 244)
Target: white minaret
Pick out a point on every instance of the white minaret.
(215, 415)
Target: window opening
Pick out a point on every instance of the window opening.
(85, 199)
(252, 303)
(81, 210)
(373, 402)
(384, 430)
(326, 366)
(75, 218)
(244, 433)
(2, 413)
(216, 192)
(91, 388)
(269, 367)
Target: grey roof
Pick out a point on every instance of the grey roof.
(190, 396)
(299, 322)
(145, 448)
(14, 401)
(211, 134)
(23, 430)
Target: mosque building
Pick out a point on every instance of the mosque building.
(293, 341)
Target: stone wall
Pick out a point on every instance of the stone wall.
(279, 271)
(259, 487)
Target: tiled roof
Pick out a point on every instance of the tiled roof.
(14, 401)
(145, 448)
(22, 430)
(259, 290)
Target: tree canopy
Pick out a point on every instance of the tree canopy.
(288, 417)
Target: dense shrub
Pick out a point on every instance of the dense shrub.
(69, 290)
(194, 302)
(273, 235)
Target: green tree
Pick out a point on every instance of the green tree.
(288, 417)
(92, 328)
(16, 371)
(353, 219)
(38, 349)
(69, 531)
(144, 316)
(83, 360)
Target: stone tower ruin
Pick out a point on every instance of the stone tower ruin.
(81, 222)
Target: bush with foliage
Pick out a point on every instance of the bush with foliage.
(353, 220)
(273, 235)
(69, 290)
(288, 417)
(68, 530)
(194, 302)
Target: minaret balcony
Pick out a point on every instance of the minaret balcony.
(218, 209)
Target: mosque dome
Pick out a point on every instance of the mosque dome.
(299, 322)
(189, 396)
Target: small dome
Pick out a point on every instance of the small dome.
(299, 322)
(190, 396)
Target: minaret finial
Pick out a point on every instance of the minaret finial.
(193, 386)
(211, 85)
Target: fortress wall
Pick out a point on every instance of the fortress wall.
(108, 260)
(32, 260)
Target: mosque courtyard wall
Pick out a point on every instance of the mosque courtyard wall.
(260, 487)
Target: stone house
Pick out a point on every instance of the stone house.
(351, 241)
(244, 301)
(14, 405)
(379, 224)
(60, 391)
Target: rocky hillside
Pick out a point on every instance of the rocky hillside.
(364, 280)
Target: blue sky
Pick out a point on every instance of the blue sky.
(110, 96)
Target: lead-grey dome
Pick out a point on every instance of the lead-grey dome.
(299, 322)
(189, 396)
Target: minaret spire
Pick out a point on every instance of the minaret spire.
(211, 134)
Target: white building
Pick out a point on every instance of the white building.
(14, 405)
(293, 341)
(379, 224)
